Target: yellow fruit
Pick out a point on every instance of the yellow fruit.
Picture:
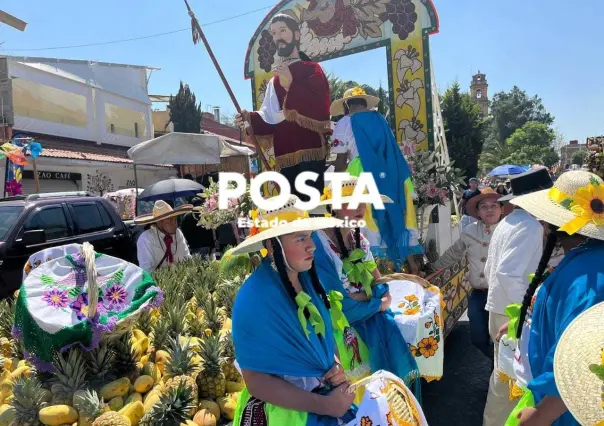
(143, 384)
(7, 416)
(228, 324)
(134, 412)
(232, 387)
(144, 359)
(205, 418)
(116, 403)
(21, 371)
(22, 363)
(134, 397)
(138, 334)
(14, 364)
(111, 418)
(7, 364)
(161, 357)
(118, 387)
(211, 406)
(228, 405)
(150, 369)
(152, 398)
(4, 407)
(189, 423)
(6, 388)
(56, 415)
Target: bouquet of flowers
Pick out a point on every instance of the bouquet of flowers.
(211, 217)
(434, 183)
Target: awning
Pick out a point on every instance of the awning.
(185, 148)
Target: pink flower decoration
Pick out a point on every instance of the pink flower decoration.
(432, 191)
(115, 297)
(56, 298)
(212, 203)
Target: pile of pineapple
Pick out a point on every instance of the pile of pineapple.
(176, 367)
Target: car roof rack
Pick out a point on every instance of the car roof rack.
(46, 195)
(14, 198)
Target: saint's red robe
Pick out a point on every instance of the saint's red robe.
(302, 135)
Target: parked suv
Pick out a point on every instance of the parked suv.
(36, 222)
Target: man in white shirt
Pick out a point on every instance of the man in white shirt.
(474, 242)
(162, 244)
(514, 254)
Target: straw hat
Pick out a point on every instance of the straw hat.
(283, 221)
(575, 203)
(161, 211)
(579, 351)
(486, 194)
(348, 187)
(337, 107)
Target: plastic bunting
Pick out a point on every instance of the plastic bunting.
(14, 188)
(34, 150)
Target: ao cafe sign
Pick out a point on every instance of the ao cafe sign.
(233, 185)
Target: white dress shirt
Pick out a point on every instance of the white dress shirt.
(514, 253)
(151, 248)
(343, 141)
(475, 240)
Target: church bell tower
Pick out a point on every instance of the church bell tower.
(479, 92)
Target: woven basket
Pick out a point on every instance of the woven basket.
(404, 277)
(122, 326)
(401, 403)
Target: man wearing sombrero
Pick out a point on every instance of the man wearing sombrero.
(163, 243)
(364, 142)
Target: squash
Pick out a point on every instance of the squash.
(143, 384)
(118, 387)
(57, 415)
(134, 412)
(116, 403)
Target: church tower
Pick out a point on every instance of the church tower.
(479, 92)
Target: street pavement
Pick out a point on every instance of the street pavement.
(458, 399)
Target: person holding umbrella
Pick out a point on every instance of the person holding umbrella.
(163, 243)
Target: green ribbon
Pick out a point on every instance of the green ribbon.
(338, 320)
(316, 320)
(513, 312)
(359, 271)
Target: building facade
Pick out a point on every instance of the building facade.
(85, 114)
(567, 152)
(479, 90)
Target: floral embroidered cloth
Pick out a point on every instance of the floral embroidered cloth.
(418, 314)
(47, 255)
(53, 303)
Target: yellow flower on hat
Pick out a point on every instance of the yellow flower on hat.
(588, 205)
(358, 91)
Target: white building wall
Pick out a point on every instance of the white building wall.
(99, 83)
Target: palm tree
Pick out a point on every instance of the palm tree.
(493, 154)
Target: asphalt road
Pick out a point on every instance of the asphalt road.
(458, 399)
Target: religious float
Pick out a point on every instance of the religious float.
(332, 29)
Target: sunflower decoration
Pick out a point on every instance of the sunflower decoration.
(427, 347)
(588, 204)
(598, 370)
(366, 421)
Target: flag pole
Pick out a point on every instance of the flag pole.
(199, 35)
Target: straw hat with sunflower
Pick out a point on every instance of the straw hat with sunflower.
(337, 107)
(575, 204)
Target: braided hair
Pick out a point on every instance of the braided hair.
(289, 287)
(548, 250)
(342, 245)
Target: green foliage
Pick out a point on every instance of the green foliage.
(464, 129)
(580, 157)
(185, 112)
(530, 144)
(337, 87)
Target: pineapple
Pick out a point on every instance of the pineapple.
(29, 399)
(100, 363)
(226, 294)
(213, 317)
(211, 381)
(124, 364)
(160, 334)
(145, 322)
(181, 367)
(89, 406)
(174, 407)
(176, 316)
(70, 372)
(111, 418)
(228, 368)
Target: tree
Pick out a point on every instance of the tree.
(512, 110)
(337, 88)
(464, 129)
(580, 157)
(185, 112)
(99, 183)
(550, 158)
(530, 143)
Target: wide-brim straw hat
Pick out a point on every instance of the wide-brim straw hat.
(570, 204)
(337, 106)
(161, 211)
(283, 221)
(348, 187)
(579, 349)
(486, 194)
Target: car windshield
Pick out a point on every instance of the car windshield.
(8, 217)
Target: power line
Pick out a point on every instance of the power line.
(103, 43)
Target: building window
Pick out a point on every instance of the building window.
(112, 128)
(478, 78)
(478, 93)
(41, 102)
(125, 121)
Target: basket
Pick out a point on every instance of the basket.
(399, 276)
(80, 300)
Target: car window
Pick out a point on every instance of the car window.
(50, 219)
(8, 217)
(88, 218)
(105, 216)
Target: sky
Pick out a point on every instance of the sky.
(545, 47)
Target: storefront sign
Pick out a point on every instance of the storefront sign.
(29, 174)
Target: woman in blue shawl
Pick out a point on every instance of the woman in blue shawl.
(574, 210)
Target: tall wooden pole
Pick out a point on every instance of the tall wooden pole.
(36, 177)
(199, 35)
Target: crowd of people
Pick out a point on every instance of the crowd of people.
(321, 338)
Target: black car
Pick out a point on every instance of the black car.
(37, 222)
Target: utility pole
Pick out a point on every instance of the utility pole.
(12, 21)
